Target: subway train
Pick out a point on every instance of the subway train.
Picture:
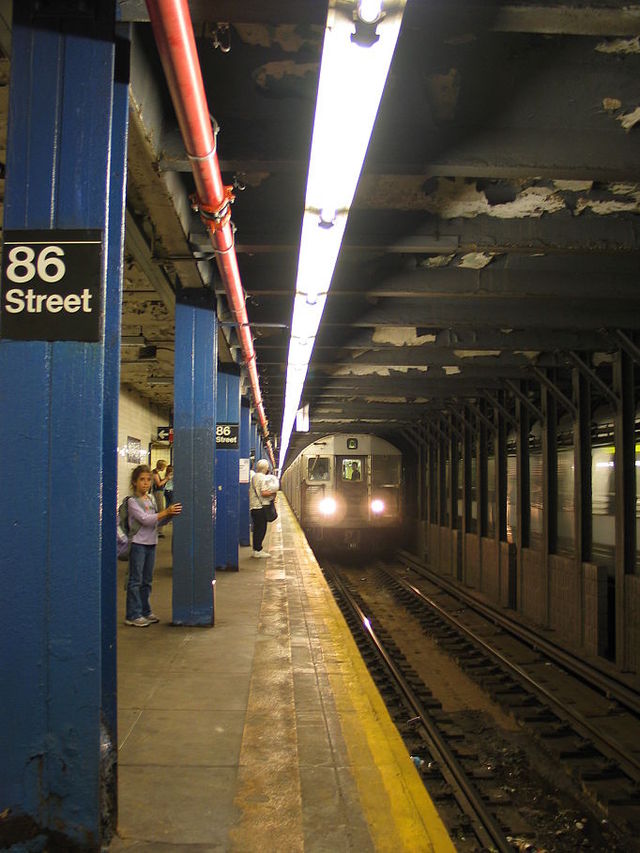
(603, 492)
(346, 491)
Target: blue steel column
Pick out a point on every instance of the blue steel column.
(243, 498)
(194, 431)
(227, 465)
(112, 325)
(254, 449)
(66, 131)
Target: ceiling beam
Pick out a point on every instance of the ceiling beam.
(566, 18)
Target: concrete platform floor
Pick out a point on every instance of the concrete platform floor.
(263, 733)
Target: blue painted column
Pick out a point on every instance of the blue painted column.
(227, 468)
(254, 449)
(65, 171)
(194, 431)
(243, 498)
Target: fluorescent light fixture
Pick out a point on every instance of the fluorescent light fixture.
(353, 74)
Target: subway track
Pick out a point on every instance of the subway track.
(487, 794)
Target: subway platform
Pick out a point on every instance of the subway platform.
(264, 733)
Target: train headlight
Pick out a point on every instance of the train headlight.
(377, 506)
(327, 506)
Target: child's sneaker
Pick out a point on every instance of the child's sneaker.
(138, 622)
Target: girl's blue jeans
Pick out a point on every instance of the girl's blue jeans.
(141, 562)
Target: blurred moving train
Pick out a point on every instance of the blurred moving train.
(346, 493)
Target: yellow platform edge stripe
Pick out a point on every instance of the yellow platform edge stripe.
(398, 809)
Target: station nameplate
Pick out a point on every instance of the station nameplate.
(51, 285)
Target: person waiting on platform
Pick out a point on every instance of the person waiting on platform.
(159, 482)
(261, 493)
(168, 486)
(145, 520)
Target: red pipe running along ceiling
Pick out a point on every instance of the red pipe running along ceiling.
(173, 32)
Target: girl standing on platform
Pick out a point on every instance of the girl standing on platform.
(145, 520)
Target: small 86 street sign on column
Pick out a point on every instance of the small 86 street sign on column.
(51, 285)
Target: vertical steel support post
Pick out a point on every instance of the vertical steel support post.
(625, 474)
(453, 470)
(253, 449)
(442, 480)
(501, 474)
(523, 492)
(466, 494)
(243, 497)
(483, 477)
(227, 462)
(549, 488)
(582, 498)
(65, 170)
(194, 442)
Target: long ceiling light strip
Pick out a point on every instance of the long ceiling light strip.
(359, 42)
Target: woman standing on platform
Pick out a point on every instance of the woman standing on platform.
(145, 520)
(261, 493)
(159, 483)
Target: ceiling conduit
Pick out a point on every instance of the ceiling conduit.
(173, 32)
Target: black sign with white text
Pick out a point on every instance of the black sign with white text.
(226, 436)
(51, 285)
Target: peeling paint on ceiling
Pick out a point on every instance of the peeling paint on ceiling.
(374, 370)
(290, 37)
(611, 104)
(287, 78)
(437, 261)
(531, 355)
(458, 198)
(475, 260)
(626, 198)
(621, 46)
(629, 120)
(477, 353)
(400, 336)
(574, 186)
(412, 400)
(451, 369)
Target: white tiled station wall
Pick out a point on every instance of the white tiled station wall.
(138, 419)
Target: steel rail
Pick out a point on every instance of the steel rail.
(607, 745)
(484, 824)
(606, 684)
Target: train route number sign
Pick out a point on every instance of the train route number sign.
(51, 285)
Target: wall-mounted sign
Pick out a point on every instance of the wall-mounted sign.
(226, 436)
(352, 444)
(51, 286)
(164, 433)
(134, 450)
(244, 471)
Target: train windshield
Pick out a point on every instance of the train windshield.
(352, 469)
(318, 469)
(386, 470)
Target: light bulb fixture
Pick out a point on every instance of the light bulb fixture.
(349, 91)
(369, 11)
(327, 218)
(367, 16)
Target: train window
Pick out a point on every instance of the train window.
(352, 469)
(318, 469)
(386, 470)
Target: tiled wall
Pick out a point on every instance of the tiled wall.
(137, 418)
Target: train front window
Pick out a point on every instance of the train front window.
(386, 470)
(352, 469)
(318, 469)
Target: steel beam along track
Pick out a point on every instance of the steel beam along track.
(482, 821)
(607, 745)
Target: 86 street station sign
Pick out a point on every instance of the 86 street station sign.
(51, 285)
